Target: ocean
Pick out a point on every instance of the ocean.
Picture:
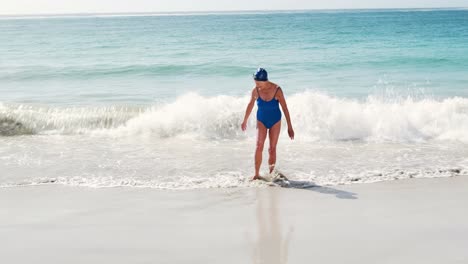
(156, 100)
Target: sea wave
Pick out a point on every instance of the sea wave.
(236, 180)
(315, 116)
(40, 72)
(22, 119)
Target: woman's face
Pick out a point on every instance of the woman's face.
(259, 83)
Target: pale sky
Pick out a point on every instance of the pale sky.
(128, 6)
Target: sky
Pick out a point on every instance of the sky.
(128, 6)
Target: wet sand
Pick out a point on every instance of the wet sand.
(406, 221)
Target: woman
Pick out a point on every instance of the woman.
(268, 96)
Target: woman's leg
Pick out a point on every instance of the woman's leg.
(273, 135)
(261, 136)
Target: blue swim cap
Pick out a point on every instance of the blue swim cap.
(261, 75)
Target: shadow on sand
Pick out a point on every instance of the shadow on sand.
(307, 185)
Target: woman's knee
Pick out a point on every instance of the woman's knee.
(272, 150)
(260, 146)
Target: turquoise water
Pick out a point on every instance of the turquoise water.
(126, 59)
(157, 100)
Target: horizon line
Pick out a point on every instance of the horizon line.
(223, 11)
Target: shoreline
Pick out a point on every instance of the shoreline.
(410, 221)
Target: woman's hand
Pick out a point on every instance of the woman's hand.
(291, 133)
(244, 126)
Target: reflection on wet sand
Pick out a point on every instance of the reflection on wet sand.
(270, 246)
(272, 241)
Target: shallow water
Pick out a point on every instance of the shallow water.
(157, 101)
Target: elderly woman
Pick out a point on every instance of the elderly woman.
(268, 96)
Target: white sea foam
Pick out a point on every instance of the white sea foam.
(236, 180)
(315, 116)
(192, 162)
(32, 119)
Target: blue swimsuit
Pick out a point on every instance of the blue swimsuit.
(268, 111)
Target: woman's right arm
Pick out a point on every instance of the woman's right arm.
(250, 106)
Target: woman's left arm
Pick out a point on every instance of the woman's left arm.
(284, 106)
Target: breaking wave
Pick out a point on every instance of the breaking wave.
(315, 116)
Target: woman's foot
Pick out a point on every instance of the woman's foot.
(257, 177)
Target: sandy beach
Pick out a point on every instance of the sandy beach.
(410, 221)
(129, 134)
